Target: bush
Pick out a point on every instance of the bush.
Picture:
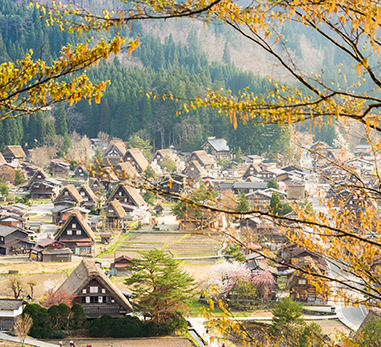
(41, 321)
(58, 335)
(127, 327)
(101, 327)
(78, 317)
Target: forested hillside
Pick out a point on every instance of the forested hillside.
(181, 69)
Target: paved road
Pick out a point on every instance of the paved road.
(29, 340)
(41, 208)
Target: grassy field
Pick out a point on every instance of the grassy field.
(179, 244)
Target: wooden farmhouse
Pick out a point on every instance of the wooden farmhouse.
(41, 186)
(61, 213)
(28, 168)
(300, 288)
(95, 292)
(14, 240)
(59, 168)
(118, 267)
(49, 250)
(252, 171)
(77, 235)
(81, 172)
(202, 158)
(115, 214)
(194, 170)
(14, 154)
(217, 147)
(161, 154)
(128, 197)
(96, 185)
(10, 309)
(90, 200)
(172, 183)
(137, 159)
(248, 187)
(114, 154)
(68, 196)
(125, 171)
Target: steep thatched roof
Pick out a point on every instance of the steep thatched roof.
(137, 155)
(75, 215)
(86, 188)
(130, 191)
(72, 191)
(202, 157)
(125, 170)
(117, 207)
(15, 151)
(84, 273)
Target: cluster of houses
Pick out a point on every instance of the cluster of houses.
(74, 200)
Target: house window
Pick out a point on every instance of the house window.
(87, 300)
(103, 291)
(125, 200)
(82, 193)
(74, 225)
(1, 238)
(120, 193)
(100, 299)
(66, 193)
(78, 232)
(111, 211)
(84, 291)
(69, 232)
(93, 289)
(39, 176)
(302, 281)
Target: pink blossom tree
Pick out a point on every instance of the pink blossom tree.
(225, 275)
(264, 283)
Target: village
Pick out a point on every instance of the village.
(83, 224)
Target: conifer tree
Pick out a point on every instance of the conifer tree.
(61, 125)
(161, 289)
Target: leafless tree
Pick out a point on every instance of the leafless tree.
(22, 327)
(42, 156)
(31, 285)
(74, 120)
(16, 285)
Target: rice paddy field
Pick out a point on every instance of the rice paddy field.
(178, 244)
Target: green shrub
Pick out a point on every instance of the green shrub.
(58, 334)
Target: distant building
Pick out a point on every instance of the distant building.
(81, 172)
(14, 240)
(202, 158)
(14, 154)
(77, 235)
(95, 292)
(136, 158)
(114, 154)
(49, 250)
(217, 147)
(10, 309)
(59, 168)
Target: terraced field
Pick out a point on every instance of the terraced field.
(179, 244)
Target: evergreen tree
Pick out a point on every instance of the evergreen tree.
(226, 56)
(160, 287)
(272, 184)
(243, 203)
(61, 125)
